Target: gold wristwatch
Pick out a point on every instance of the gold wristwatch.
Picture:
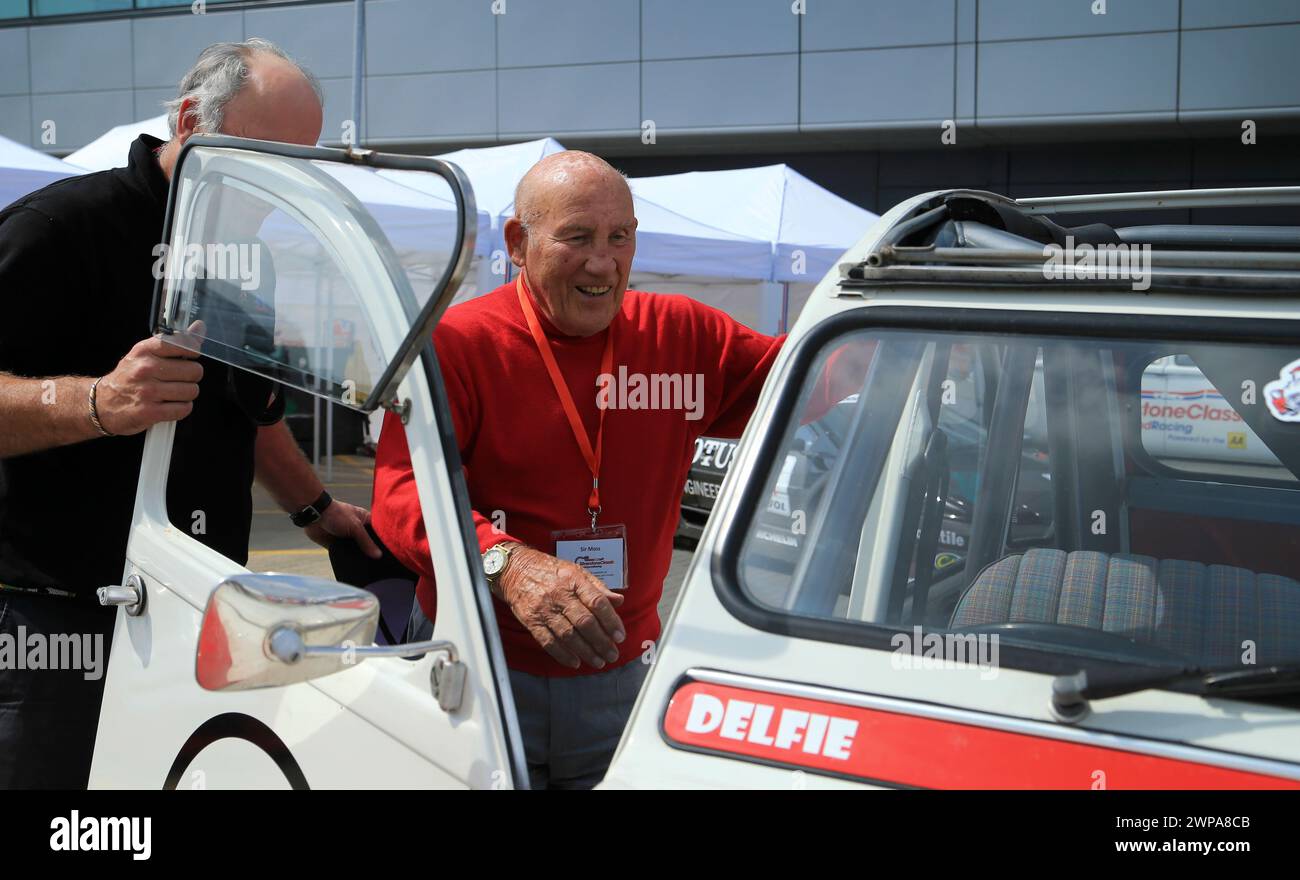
(495, 560)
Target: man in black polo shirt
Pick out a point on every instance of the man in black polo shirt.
(79, 386)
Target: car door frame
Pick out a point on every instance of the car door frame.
(420, 399)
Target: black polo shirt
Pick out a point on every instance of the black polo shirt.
(76, 284)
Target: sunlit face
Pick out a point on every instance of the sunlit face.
(577, 254)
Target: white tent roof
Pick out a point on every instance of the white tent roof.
(411, 218)
(775, 204)
(495, 171)
(23, 170)
(111, 149)
(667, 241)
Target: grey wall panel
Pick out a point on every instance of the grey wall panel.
(149, 102)
(689, 28)
(431, 105)
(565, 32)
(878, 85)
(854, 24)
(967, 13)
(319, 35)
(1241, 67)
(588, 98)
(76, 57)
(1021, 19)
(166, 46)
(759, 90)
(965, 80)
(16, 120)
(338, 108)
(421, 36)
(13, 62)
(1094, 75)
(1218, 13)
(80, 117)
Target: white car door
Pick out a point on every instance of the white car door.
(348, 250)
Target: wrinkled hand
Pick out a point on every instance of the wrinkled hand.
(343, 520)
(155, 382)
(568, 610)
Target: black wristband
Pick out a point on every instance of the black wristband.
(312, 512)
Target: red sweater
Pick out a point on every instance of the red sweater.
(520, 455)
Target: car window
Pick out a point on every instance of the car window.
(276, 263)
(996, 484)
(1188, 425)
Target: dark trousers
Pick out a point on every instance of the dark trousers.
(571, 725)
(49, 717)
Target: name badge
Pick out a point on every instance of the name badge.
(601, 552)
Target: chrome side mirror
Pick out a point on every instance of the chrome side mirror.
(247, 613)
(268, 630)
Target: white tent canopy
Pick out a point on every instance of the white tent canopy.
(24, 170)
(403, 213)
(111, 149)
(494, 172)
(807, 226)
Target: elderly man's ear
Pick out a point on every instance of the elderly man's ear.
(186, 121)
(516, 241)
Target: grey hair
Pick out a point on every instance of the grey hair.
(216, 78)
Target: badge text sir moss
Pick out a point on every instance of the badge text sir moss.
(77, 833)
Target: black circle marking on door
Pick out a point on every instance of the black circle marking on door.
(236, 725)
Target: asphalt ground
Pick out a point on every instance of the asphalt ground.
(278, 545)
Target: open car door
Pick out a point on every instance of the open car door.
(222, 678)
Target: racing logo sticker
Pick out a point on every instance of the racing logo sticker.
(893, 748)
(1283, 396)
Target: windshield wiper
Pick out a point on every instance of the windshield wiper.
(1072, 695)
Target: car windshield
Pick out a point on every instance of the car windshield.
(1115, 499)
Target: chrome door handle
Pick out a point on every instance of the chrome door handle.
(130, 595)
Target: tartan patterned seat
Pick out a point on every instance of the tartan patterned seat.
(1203, 612)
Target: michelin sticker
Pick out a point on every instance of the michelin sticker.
(1283, 396)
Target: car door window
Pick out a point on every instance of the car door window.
(263, 266)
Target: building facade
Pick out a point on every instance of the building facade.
(875, 99)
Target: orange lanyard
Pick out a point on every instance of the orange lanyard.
(566, 399)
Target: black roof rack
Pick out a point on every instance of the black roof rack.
(971, 238)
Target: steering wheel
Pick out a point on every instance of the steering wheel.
(1060, 635)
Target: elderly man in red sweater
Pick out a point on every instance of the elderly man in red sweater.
(576, 405)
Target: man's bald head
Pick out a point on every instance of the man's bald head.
(574, 235)
(561, 173)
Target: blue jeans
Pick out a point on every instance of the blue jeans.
(571, 725)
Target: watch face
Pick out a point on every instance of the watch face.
(493, 561)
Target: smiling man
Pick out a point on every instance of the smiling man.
(575, 491)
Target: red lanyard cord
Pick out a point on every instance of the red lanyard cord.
(566, 399)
